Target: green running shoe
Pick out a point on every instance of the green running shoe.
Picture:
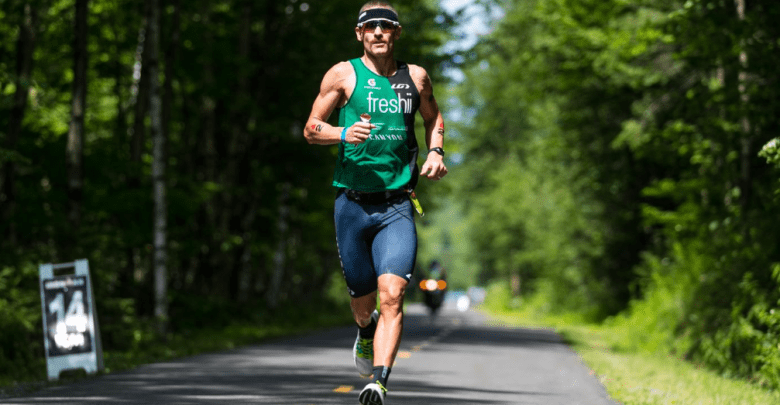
(363, 352)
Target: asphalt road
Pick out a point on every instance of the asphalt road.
(456, 358)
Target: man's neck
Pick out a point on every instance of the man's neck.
(384, 66)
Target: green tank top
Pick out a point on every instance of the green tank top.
(388, 158)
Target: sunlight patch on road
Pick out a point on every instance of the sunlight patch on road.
(224, 397)
(61, 399)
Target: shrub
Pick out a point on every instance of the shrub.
(21, 339)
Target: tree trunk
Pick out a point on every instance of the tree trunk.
(515, 283)
(167, 97)
(281, 248)
(126, 284)
(139, 102)
(158, 175)
(236, 204)
(211, 236)
(24, 52)
(244, 273)
(139, 97)
(208, 117)
(170, 62)
(75, 146)
(746, 141)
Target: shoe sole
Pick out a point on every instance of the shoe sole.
(371, 397)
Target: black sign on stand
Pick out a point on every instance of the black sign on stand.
(70, 327)
(67, 315)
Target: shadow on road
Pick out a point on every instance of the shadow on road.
(212, 383)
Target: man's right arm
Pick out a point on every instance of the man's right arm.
(332, 94)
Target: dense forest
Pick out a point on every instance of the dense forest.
(617, 157)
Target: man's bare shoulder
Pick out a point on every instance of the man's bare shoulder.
(416, 70)
(338, 76)
(420, 77)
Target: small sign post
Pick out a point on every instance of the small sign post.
(70, 327)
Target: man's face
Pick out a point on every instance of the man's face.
(378, 36)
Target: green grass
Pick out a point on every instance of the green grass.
(642, 377)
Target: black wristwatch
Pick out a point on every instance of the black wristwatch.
(437, 150)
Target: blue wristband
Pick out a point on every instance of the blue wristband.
(344, 134)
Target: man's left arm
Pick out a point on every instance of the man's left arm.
(433, 168)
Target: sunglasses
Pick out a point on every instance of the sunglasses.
(385, 26)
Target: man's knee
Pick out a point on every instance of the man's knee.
(391, 295)
(391, 307)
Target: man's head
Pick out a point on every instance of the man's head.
(378, 27)
(377, 4)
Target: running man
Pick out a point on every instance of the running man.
(377, 98)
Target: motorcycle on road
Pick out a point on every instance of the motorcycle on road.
(434, 287)
(433, 293)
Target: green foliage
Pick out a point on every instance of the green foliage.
(771, 152)
(499, 297)
(613, 151)
(541, 181)
(658, 321)
(443, 235)
(21, 340)
(747, 345)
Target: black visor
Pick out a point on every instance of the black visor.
(377, 14)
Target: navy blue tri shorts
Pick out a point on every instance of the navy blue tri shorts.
(375, 239)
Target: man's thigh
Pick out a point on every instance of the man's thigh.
(394, 248)
(354, 250)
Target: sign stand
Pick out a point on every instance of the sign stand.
(70, 327)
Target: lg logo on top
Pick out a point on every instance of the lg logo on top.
(395, 86)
